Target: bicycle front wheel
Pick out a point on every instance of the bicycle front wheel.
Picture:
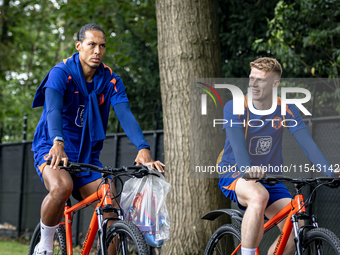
(123, 237)
(224, 241)
(59, 241)
(320, 241)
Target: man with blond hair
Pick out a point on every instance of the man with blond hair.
(256, 146)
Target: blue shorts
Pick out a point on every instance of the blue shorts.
(78, 181)
(276, 192)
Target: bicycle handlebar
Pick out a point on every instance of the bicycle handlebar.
(332, 182)
(137, 171)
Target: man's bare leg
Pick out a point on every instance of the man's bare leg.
(270, 212)
(59, 184)
(255, 197)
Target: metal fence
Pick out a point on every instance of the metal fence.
(326, 133)
(21, 190)
(118, 150)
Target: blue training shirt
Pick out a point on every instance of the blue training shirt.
(72, 112)
(263, 135)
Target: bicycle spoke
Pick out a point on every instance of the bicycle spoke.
(56, 246)
(224, 241)
(226, 245)
(221, 248)
(59, 241)
(319, 248)
(122, 244)
(321, 242)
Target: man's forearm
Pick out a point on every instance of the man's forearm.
(238, 144)
(130, 125)
(54, 106)
(312, 151)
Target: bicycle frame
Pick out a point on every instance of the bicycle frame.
(296, 206)
(104, 197)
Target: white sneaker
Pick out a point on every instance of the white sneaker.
(36, 252)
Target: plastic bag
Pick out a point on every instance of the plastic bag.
(143, 202)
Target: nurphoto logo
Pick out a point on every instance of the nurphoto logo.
(204, 97)
(238, 99)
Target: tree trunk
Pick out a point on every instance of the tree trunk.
(188, 48)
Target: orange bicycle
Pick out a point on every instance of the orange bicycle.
(309, 239)
(125, 237)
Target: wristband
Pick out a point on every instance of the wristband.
(58, 138)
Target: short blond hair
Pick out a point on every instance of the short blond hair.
(267, 65)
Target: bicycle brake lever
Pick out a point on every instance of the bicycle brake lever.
(334, 184)
(72, 168)
(144, 172)
(139, 173)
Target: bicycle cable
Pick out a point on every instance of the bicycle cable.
(312, 195)
(98, 191)
(116, 196)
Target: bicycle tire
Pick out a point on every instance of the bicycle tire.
(59, 242)
(224, 240)
(320, 241)
(129, 235)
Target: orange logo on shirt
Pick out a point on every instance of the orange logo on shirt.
(101, 99)
(277, 122)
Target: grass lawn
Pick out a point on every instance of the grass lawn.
(12, 247)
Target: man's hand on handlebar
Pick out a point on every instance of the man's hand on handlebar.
(57, 154)
(256, 172)
(337, 172)
(144, 158)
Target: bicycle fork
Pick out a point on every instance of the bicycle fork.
(297, 234)
(102, 224)
(101, 230)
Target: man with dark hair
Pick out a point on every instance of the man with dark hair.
(88, 27)
(76, 95)
(252, 144)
